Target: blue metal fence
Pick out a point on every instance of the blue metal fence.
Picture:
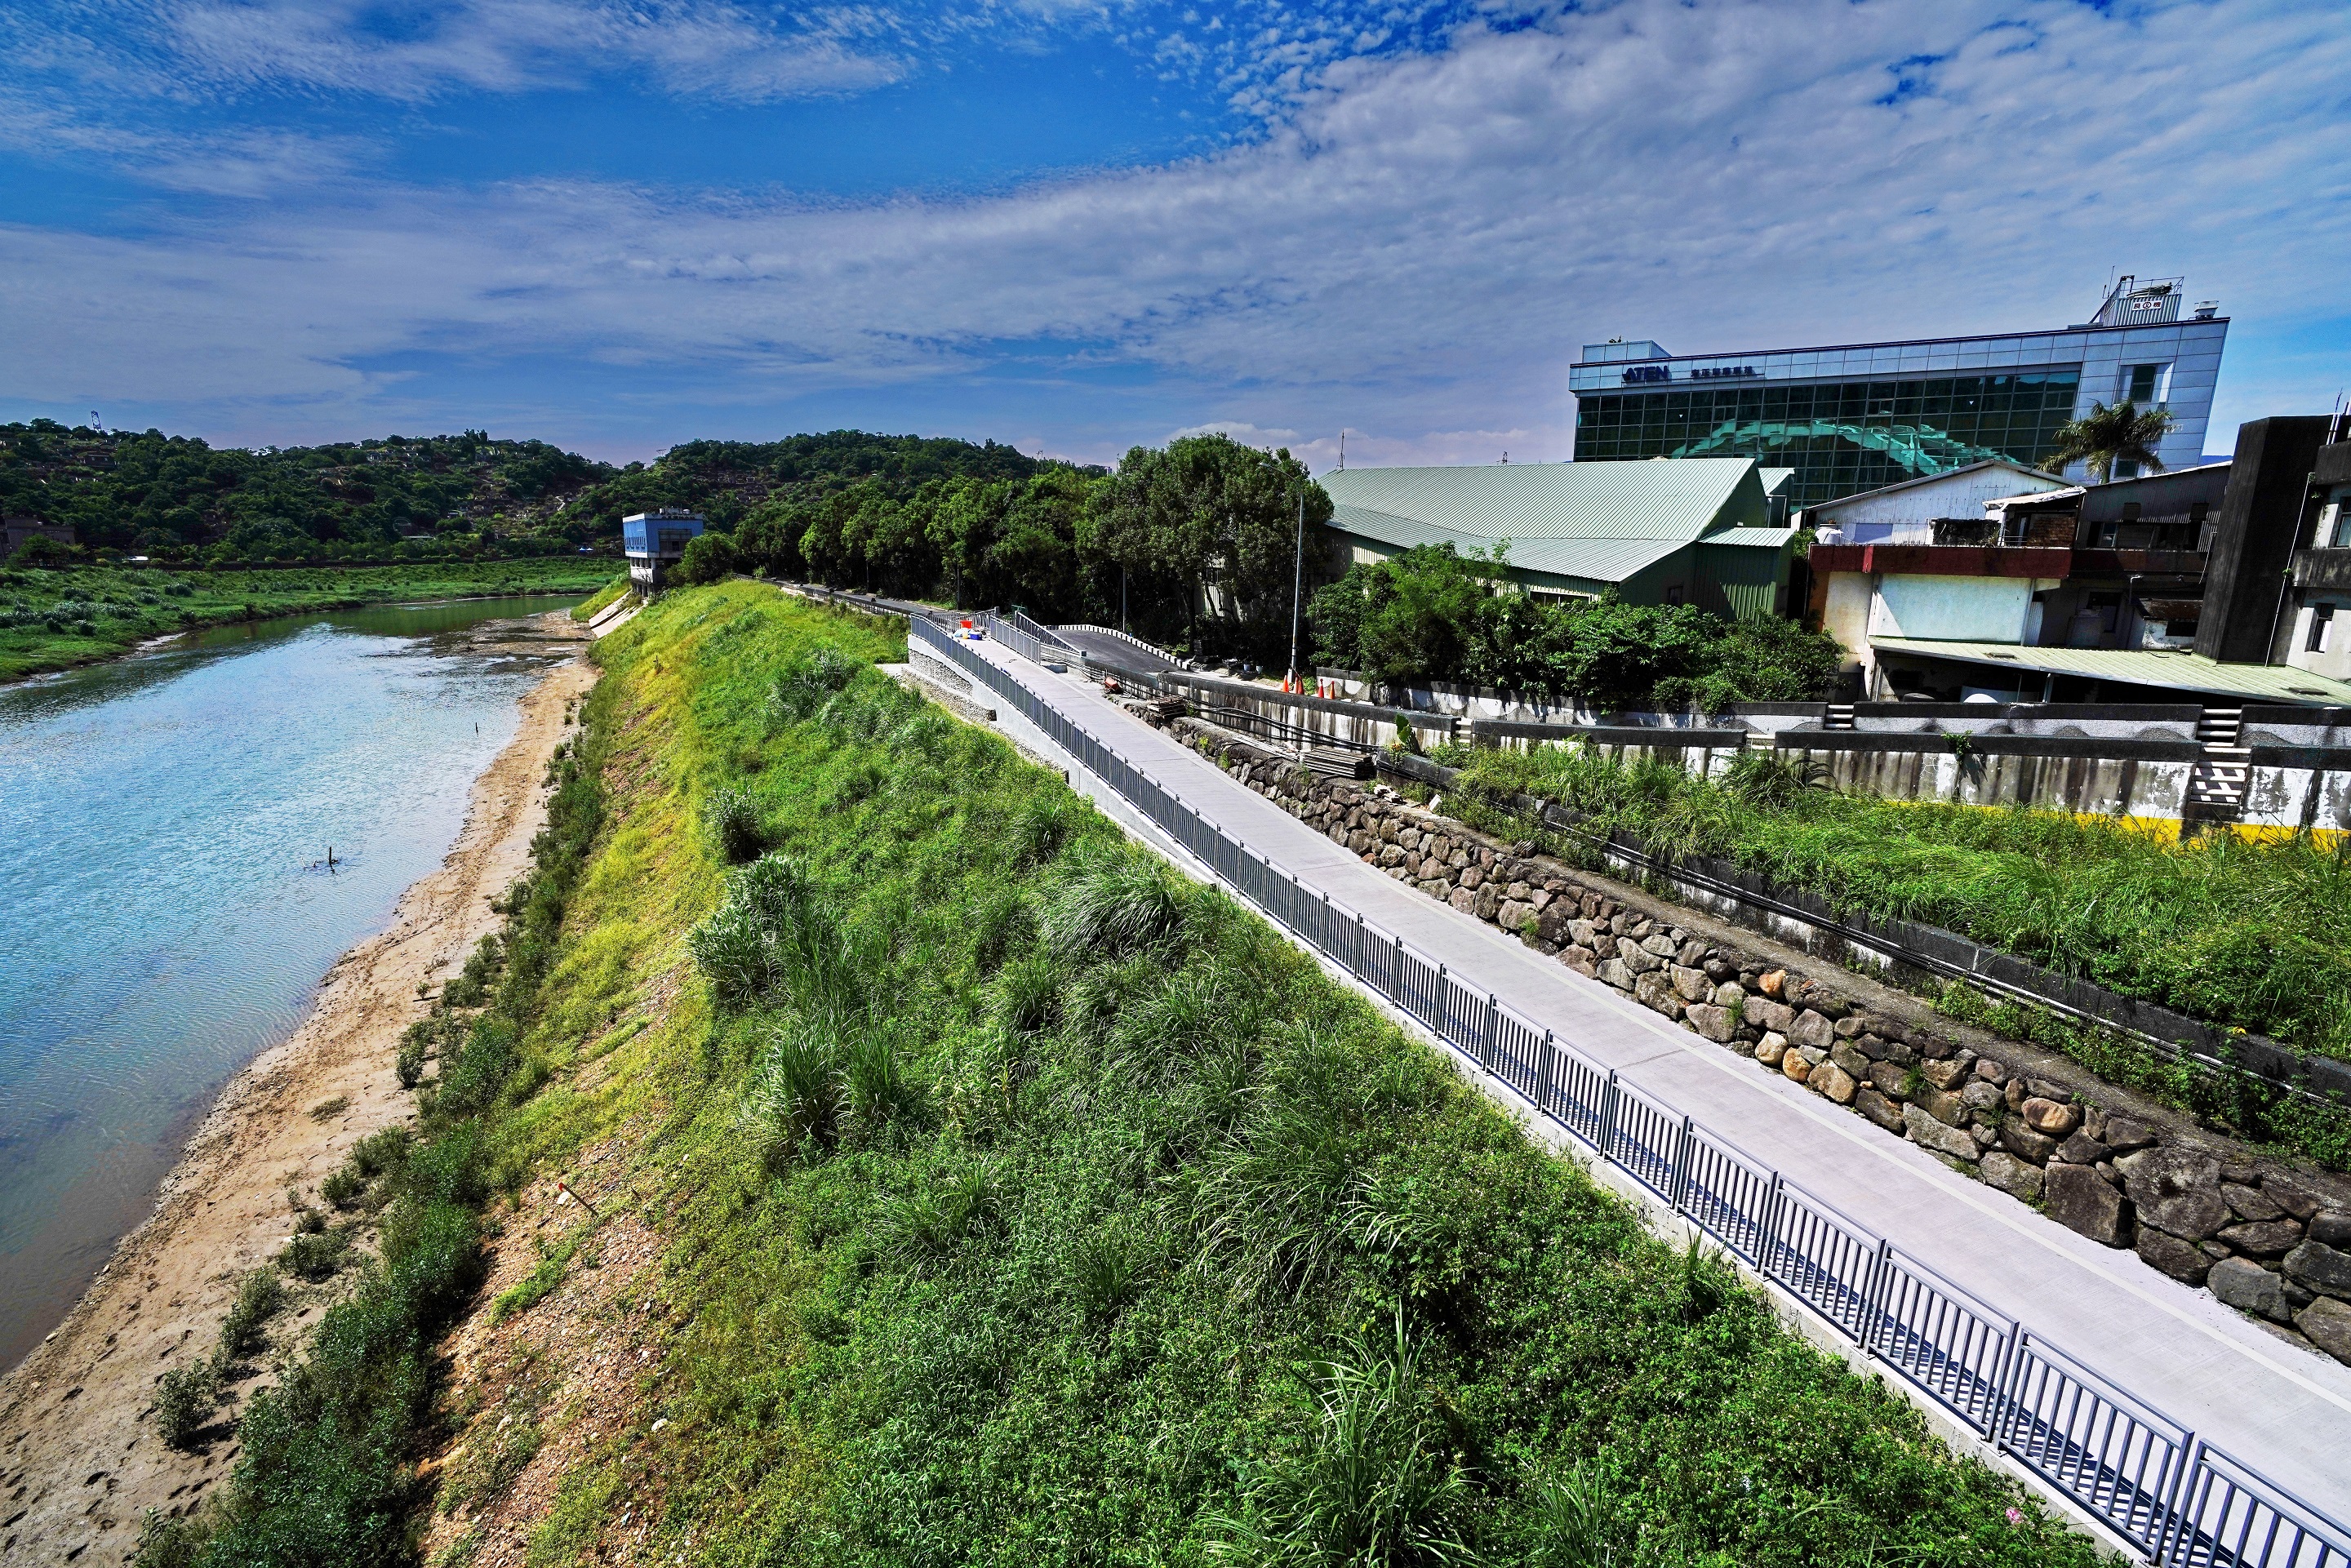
(2180, 1501)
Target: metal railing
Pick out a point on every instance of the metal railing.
(2150, 1480)
(1043, 636)
(1132, 641)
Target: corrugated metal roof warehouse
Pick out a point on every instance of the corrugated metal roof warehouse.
(1692, 531)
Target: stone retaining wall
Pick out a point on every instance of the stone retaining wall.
(2269, 1240)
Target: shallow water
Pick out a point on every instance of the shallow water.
(165, 910)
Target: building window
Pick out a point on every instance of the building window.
(2146, 384)
(2322, 630)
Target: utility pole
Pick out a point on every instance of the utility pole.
(1296, 588)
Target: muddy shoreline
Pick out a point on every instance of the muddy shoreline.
(79, 1463)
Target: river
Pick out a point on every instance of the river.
(166, 908)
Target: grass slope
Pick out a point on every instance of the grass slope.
(1027, 1206)
(54, 620)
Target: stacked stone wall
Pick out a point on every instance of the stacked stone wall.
(2270, 1239)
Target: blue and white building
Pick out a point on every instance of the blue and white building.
(654, 542)
(1855, 417)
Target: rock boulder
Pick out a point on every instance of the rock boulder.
(2082, 1201)
(2249, 1288)
(2175, 1189)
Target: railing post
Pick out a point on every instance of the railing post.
(1681, 1167)
(1486, 1046)
(1873, 1305)
(1542, 1074)
(1608, 1117)
(1767, 1246)
(2178, 1530)
(1444, 994)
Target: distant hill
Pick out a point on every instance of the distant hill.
(727, 479)
(177, 496)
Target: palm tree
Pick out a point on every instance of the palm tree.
(2111, 434)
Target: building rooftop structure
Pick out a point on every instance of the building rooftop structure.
(1696, 532)
(1852, 417)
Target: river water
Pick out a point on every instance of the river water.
(166, 909)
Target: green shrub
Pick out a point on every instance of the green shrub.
(343, 1186)
(382, 1151)
(258, 1297)
(314, 1256)
(185, 1398)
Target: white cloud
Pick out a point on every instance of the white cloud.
(1417, 251)
(426, 49)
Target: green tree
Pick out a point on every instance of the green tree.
(710, 558)
(2113, 434)
(1205, 532)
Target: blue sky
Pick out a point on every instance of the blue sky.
(1079, 225)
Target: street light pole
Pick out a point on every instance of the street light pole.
(1296, 588)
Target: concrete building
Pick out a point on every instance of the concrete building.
(2315, 629)
(15, 531)
(1653, 533)
(654, 542)
(1857, 417)
(2164, 583)
(1931, 508)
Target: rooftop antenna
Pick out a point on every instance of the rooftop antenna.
(1505, 459)
(1343, 449)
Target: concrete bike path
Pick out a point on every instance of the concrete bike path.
(2278, 1407)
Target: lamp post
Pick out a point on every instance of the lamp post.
(1296, 588)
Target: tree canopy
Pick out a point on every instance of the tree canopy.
(1432, 614)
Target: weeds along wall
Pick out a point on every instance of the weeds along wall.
(1025, 1204)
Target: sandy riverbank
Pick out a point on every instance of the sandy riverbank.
(79, 1462)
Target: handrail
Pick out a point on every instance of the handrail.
(1127, 637)
(2182, 1503)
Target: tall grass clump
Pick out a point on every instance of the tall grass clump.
(2245, 932)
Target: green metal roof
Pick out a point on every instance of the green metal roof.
(1761, 539)
(1596, 561)
(2138, 666)
(1601, 522)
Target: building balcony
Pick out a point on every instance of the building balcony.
(2324, 570)
(1942, 560)
(2334, 464)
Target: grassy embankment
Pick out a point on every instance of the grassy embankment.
(54, 620)
(589, 608)
(1025, 1204)
(2249, 934)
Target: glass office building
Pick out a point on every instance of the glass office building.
(1854, 417)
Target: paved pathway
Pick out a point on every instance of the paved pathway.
(2279, 1407)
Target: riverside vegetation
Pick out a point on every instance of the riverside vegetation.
(2248, 932)
(1026, 1204)
(54, 619)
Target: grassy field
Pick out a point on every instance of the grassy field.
(54, 620)
(2248, 934)
(1025, 1204)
